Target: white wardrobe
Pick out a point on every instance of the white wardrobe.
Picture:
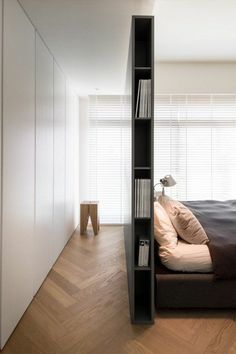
(39, 163)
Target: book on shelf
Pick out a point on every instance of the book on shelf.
(143, 102)
(142, 198)
(143, 252)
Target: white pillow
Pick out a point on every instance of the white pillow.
(186, 258)
(164, 231)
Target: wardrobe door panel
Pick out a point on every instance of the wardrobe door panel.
(18, 166)
(43, 243)
(59, 160)
(71, 159)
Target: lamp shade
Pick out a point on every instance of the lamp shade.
(168, 181)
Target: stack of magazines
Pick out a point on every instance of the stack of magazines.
(143, 255)
(143, 103)
(142, 198)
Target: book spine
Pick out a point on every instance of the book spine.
(141, 99)
(138, 100)
(148, 198)
(138, 199)
(146, 253)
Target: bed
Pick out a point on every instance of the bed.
(212, 289)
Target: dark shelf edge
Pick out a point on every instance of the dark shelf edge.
(142, 168)
(140, 219)
(142, 68)
(142, 268)
(143, 119)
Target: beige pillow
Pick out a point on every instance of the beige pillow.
(185, 223)
(164, 231)
(186, 258)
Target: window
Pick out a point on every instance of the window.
(195, 141)
(108, 128)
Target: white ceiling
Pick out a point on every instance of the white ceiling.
(195, 30)
(90, 38)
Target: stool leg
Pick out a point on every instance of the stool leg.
(93, 212)
(84, 216)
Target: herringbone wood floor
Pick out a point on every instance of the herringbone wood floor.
(82, 308)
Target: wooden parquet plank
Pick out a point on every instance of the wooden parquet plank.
(82, 308)
(62, 282)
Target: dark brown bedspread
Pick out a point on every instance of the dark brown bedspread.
(219, 222)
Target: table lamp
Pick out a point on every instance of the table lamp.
(167, 181)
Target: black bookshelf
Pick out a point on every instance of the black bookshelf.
(141, 278)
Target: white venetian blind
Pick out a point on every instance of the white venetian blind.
(106, 155)
(195, 141)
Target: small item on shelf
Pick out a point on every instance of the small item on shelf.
(146, 253)
(143, 103)
(143, 255)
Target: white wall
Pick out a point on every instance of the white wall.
(18, 166)
(84, 148)
(40, 178)
(195, 77)
(59, 159)
(72, 160)
(43, 244)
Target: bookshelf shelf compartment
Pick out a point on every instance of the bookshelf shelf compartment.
(142, 305)
(143, 33)
(142, 139)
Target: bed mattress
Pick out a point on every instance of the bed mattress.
(186, 258)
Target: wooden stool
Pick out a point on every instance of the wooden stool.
(89, 209)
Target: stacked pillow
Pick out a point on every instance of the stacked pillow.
(164, 231)
(173, 219)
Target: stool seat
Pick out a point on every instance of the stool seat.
(89, 209)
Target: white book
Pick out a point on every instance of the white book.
(142, 99)
(146, 201)
(141, 253)
(138, 100)
(137, 200)
(145, 98)
(149, 98)
(148, 198)
(142, 196)
(144, 182)
(146, 252)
